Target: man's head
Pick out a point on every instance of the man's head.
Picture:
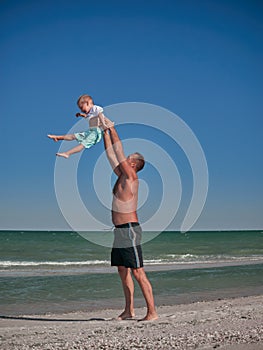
(85, 102)
(136, 161)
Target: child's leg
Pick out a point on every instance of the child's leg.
(69, 137)
(76, 149)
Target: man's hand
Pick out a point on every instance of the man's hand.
(105, 122)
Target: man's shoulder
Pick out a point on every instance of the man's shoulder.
(130, 175)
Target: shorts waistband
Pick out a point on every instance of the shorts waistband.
(133, 224)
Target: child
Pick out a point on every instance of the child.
(97, 123)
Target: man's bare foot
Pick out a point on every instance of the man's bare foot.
(53, 137)
(125, 316)
(65, 155)
(150, 317)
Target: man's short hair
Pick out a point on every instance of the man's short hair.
(139, 159)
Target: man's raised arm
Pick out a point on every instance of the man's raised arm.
(110, 152)
(117, 145)
(118, 149)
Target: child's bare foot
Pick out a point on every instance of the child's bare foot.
(65, 155)
(125, 316)
(150, 317)
(53, 137)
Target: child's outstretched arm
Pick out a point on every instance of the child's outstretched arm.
(83, 115)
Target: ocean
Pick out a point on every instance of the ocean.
(49, 271)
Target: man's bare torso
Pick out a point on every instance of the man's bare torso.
(125, 199)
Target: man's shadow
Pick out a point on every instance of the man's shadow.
(22, 318)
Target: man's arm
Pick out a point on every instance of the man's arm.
(118, 149)
(110, 153)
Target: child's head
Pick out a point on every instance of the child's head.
(85, 102)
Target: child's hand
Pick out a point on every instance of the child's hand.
(83, 115)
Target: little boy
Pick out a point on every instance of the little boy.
(97, 123)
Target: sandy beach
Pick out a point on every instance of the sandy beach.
(234, 323)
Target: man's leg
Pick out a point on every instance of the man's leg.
(146, 288)
(128, 288)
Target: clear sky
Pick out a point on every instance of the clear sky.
(201, 60)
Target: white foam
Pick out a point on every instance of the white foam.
(9, 263)
(169, 259)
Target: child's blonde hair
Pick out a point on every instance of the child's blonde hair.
(84, 98)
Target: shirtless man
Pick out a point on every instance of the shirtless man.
(126, 252)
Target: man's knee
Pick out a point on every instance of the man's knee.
(139, 274)
(122, 269)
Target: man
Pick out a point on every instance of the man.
(126, 252)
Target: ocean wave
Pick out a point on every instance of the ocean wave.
(164, 260)
(182, 256)
(10, 263)
(188, 259)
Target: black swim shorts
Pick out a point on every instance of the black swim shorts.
(127, 249)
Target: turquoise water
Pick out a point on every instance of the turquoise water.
(62, 270)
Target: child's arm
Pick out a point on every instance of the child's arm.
(83, 115)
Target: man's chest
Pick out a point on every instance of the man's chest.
(122, 186)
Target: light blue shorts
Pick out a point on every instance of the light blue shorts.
(90, 137)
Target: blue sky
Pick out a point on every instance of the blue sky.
(202, 60)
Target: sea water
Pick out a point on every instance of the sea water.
(42, 271)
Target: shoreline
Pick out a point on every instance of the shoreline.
(92, 305)
(230, 323)
(172, 292)
(31, 272)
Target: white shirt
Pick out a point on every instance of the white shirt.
(92, 116)
(94, 111)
